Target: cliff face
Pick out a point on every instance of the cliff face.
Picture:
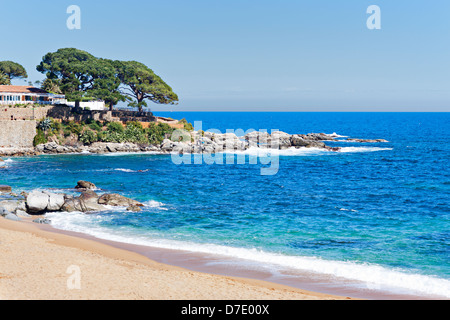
(17, 134)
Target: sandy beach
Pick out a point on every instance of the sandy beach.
(39, 264)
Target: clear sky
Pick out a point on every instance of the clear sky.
(255, 55)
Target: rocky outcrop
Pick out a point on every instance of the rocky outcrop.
(85, 185)
(114, 199)
(39, 203)
(5, 189)
(366, 140)
(86, 202)
(198, 142)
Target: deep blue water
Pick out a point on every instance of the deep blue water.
(375, 213)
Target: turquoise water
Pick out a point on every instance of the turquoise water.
(374, 213)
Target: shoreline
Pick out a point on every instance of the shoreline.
(35, 261)
(259, 285)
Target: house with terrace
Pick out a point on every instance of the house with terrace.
(13, 95)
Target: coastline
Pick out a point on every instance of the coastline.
(35, 260)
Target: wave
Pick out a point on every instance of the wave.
(130, 171)
(368, 276)
(364, 149)
(335, 135)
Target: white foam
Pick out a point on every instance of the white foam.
(267, 152)
(335, 135)
(154, 204)
(125, 170)
(371, 276)
(363, 149)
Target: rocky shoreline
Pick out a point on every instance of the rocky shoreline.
(195, 142)
(37, 203)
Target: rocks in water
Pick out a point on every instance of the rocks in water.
(41, 201)
(5, 189)
(55, 201)
(85, 185)
(366, 140)
(86, 202)
(114, 199)
(134, 208)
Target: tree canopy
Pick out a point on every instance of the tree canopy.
(140, 83)
(4, 80)
(12, 70)
(81, 76)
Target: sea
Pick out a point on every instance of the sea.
(372, 219)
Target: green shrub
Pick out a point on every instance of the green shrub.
(157, 131)
(95, 126)
(187, 126)
(115, 127)
(135, 133)
(87, 137)
(40, 138)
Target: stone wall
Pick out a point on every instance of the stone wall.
(17, 134)
(24, 113)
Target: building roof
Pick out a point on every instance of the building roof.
(21, 89)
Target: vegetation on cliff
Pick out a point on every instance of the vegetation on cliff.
(72, 133)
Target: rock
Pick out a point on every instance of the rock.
(86, 202)
(11, 205)
(85, 185)
(72, 204)
(37, 202)
(366, 140)
(298, 141)
(55, 201)
(42, 221)
(113, 199)
(134, 208)
(12, 216)
(89, 202)
(4, 211)
(316, 144)
(280, 139)
(5, 189)
(319, 137)
(22, 213)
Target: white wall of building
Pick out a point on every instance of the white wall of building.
(92, 105)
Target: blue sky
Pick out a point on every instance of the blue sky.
(298, 55)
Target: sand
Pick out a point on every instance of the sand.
(39, 264)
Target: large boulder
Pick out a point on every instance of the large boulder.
(114, 199)
(37, 202)
(280, 139)
(299, 141)
(85, 185)
(55, 201)
(86, 202)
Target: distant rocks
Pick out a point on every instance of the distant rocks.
(5, 189)
(197, 142)
(366, 140)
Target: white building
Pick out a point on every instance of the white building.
(11, 95)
